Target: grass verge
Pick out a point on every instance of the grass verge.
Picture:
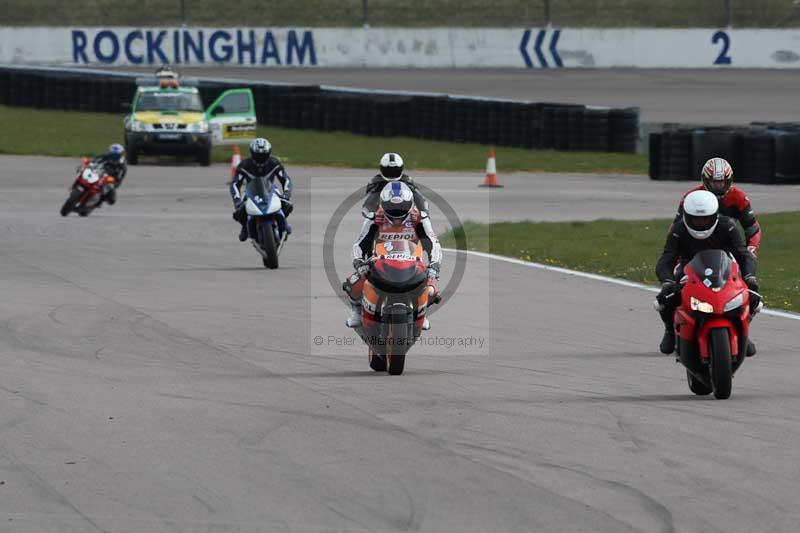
(630, 249)
(351, 13)
(73, 133)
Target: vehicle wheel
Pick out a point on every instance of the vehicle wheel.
(83, 212)
(697, 386)
(133, 155)
(395, 355)
(268, 245)
(721, 371)
(204, 157)
(377, 362)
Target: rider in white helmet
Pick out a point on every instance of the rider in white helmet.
(390, 170)
(701, 228)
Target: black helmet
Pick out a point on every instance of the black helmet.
(260, 151)
(396, 201)
(391, 166)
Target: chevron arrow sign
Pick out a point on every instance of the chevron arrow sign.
(544, 50)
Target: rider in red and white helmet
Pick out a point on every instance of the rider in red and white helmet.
(717, 178)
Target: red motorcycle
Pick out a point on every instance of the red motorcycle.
(91, 187)
(712, 323)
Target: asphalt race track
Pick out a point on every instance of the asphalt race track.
(156, 378)
(708, 96)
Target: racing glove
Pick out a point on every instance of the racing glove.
(667, 294)
(361, 266)
(755, 298)
(433, 270)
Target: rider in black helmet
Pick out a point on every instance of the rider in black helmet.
(260, 163)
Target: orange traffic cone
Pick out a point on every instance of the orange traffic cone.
(491, 171)
(235, 159)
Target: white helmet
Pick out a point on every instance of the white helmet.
(396, 201)
(391, 166)
(700, 214)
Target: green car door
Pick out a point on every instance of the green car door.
(232, 117)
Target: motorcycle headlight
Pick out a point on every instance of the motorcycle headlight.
(199, 127)
(137, 126)
(734, 302)
(700, 305)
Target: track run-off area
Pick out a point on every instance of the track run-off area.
(157, 378)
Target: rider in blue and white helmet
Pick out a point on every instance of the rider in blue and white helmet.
(113, 162)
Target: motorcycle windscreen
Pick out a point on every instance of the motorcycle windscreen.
(397, 271)
(713, 267)
(259, 190)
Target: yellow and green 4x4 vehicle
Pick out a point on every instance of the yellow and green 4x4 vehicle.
(172, 120)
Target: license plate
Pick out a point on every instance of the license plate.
(169, 136)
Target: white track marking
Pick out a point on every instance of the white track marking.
(596, 277)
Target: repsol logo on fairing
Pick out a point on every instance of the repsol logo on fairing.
(195, 46)
(395, 236)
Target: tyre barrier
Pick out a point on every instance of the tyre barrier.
(364, 112)
(764, 153)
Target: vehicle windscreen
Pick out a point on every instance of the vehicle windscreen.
(169, 101)
(712, 265)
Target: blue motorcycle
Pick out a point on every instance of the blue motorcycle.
(266, 222)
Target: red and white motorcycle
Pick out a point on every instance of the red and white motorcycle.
(90, 188)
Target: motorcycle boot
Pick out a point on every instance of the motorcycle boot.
(668, 340)
(354, 320)
(751, 348)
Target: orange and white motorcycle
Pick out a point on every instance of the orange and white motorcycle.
(396, 297)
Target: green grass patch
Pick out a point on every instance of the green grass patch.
(74, 133)
(630, 249)
(350, 13)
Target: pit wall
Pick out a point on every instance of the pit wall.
(532, 48)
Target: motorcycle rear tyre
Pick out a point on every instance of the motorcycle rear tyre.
(377, 362)
(697, 386)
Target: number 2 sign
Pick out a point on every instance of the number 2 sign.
(723, 58)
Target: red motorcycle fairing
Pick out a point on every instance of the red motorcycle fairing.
(715, 294)
(91, 190)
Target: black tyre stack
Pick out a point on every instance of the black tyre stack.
(427, 116)
(596, 130)
(759, 153)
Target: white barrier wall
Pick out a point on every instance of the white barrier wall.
(403, 47)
